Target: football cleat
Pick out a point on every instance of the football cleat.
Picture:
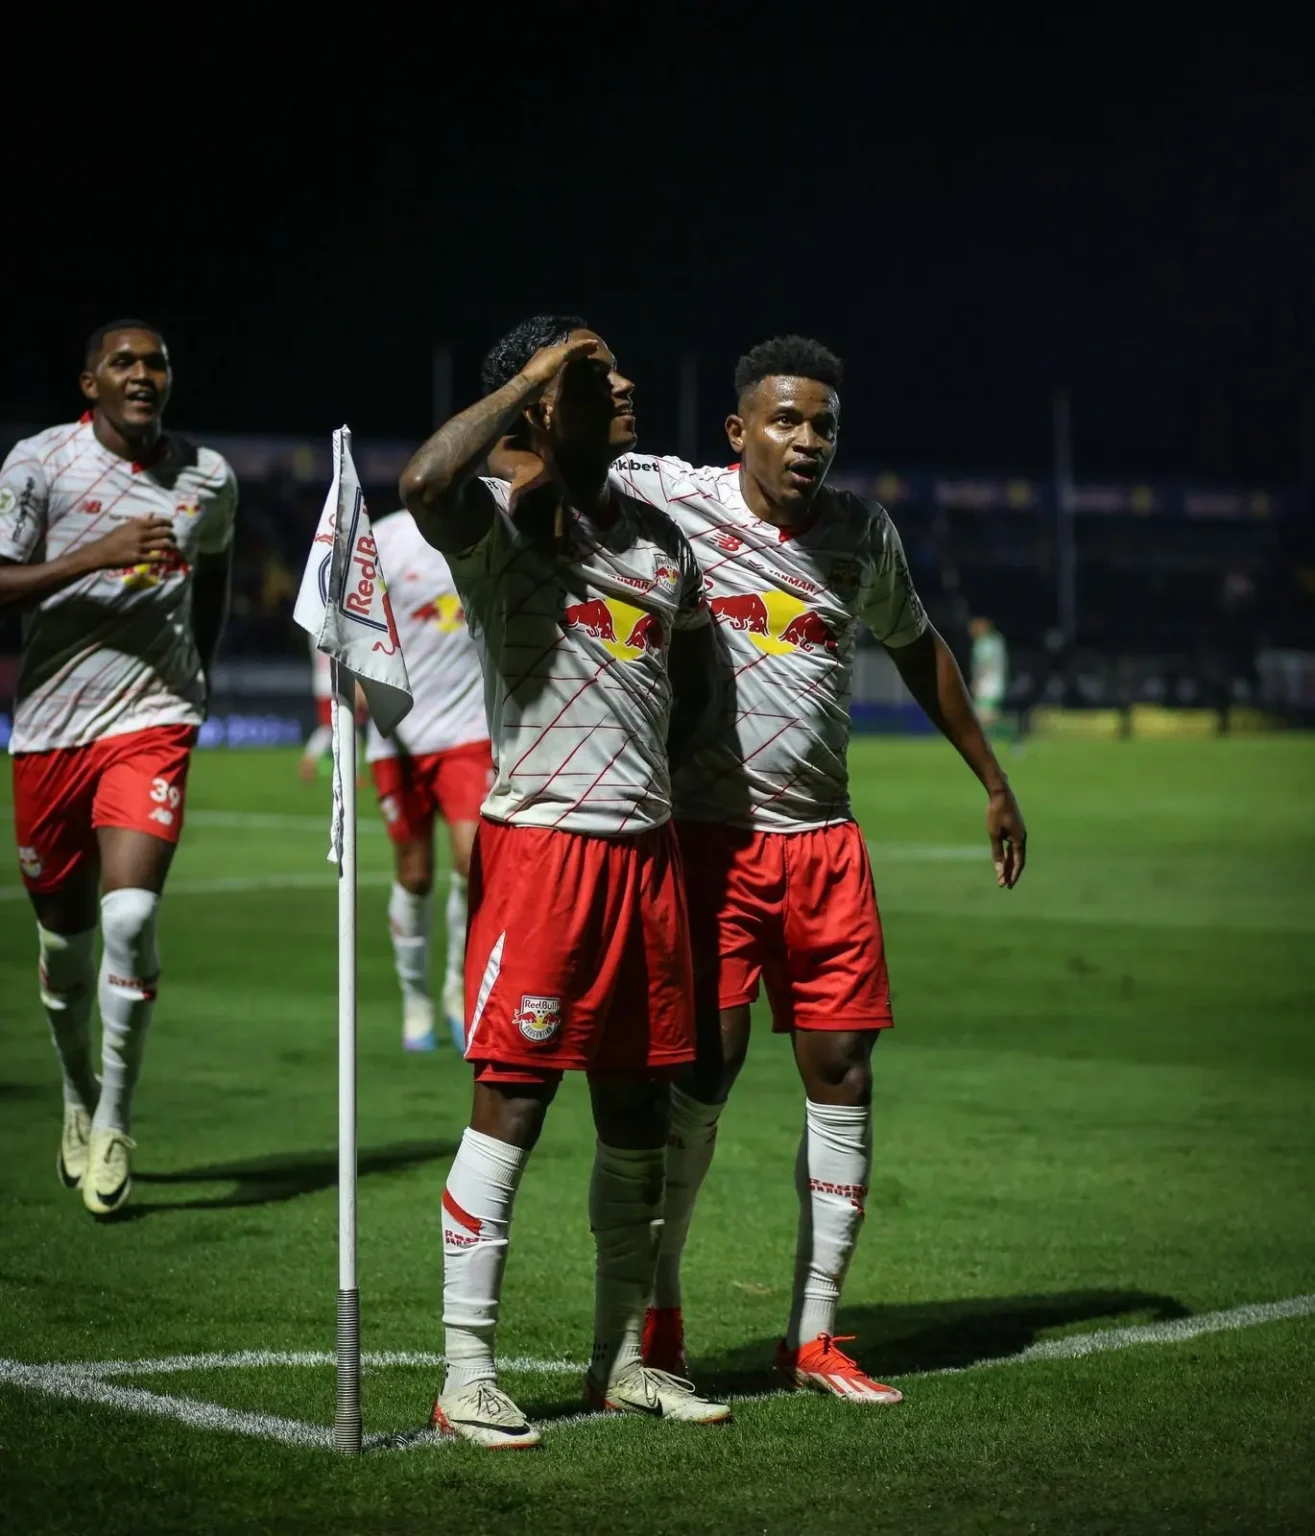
(663, 1347)
(819, 1366)
(72, 1160)
(107, 1182)
(418, 1024)
(655, 1395)
(483, 1414)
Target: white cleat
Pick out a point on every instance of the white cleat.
(454, 1011)
(483, 1414)
(656, 1395)
(107, 1182)
(418, 1024)
(71, 1163)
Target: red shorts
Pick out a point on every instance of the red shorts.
(136, 780)
(412, 790)
(578, 956)
(798, 910)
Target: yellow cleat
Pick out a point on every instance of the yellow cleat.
(107, 1182)
(71, 1163)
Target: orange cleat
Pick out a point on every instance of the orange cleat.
(663, 1346)
(819, 1366)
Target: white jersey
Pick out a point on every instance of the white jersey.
(787, 605)
(441, 660)
(114, 651)
(321, 672)
(574, 649)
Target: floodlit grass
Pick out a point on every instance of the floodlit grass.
(1095, 1111)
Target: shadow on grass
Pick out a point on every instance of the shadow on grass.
(936, 1336)
(269, 1180)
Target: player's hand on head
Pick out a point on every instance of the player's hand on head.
(548, 362)
(1004, 826)
(138, 541)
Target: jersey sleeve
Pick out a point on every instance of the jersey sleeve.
(888, 604)
(216, 531)
(692, 607)
(23, 502)
(480, 552)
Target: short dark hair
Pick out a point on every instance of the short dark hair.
(96, 341)
(796, 357)
(508, 356)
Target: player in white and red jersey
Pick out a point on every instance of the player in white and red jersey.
(585, 607)
(437, 762)
(320, 740)
(779, 881)
(115, 542)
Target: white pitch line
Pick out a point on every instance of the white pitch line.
(84, 1381)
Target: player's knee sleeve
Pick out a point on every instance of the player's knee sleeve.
(127, 925)
(67, 967)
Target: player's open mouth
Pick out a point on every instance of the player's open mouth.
(802, 474)
(143, 397)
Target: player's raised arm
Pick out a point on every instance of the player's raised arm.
(896, 617)
(439, 486)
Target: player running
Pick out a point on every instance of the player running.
(437, 762)
(116, 542)
(780, 886)
(585, 607)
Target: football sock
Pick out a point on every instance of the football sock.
(831, 1177)
(129, 971)
(408, 922)
(689, 1156)
(68, 985)
(625, 1213)
(454, 969)
(477, 1202)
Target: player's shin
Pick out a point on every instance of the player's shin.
(128, 975)
(477, 1206)
(689, 1156)
(454, 1005)
(68, 986)
(409, 920)
(625, 1213)
(831, 1176)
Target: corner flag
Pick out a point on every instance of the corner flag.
(344, 605)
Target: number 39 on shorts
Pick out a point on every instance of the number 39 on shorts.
(164, 793)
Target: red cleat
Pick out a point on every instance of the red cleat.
(819, 1366)
(663, 1347)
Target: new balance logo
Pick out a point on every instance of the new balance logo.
(165, 818)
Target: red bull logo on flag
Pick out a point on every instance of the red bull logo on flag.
(627, 632)
(775, 622)
(539, 1018)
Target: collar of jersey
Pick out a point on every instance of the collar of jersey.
(783, 535)
(160, 451)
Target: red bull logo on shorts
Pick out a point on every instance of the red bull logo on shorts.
(539, 1018)
(775, 622)
(626, 631)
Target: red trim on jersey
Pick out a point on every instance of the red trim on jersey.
(84, 418)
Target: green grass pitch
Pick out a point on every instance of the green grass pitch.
(1096, 1112)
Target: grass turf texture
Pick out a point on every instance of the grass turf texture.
(1095, 1110)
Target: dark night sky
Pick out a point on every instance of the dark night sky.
(971, 213)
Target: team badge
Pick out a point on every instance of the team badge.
(30, 863)
(846, 577)
(8, 500)
(539, 1018)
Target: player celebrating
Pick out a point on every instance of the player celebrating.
(585, 606)
(116, 542)
(437, 762)
(779, 882)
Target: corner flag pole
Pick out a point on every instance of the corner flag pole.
(347, 1417)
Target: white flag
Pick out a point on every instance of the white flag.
(343, 604)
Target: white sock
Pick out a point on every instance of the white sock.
(477, 1202)
(625, 1213)
(689, 1156)
(409, 920)
(454, 985)
(68, 985)
(831, 1177)
(129, 971)
(318, 743)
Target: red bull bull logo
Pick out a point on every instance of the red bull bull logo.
(539, 1018)
(444, 612)
(776, 622)
(626, 632)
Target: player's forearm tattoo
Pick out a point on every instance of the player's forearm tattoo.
(456, 451)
